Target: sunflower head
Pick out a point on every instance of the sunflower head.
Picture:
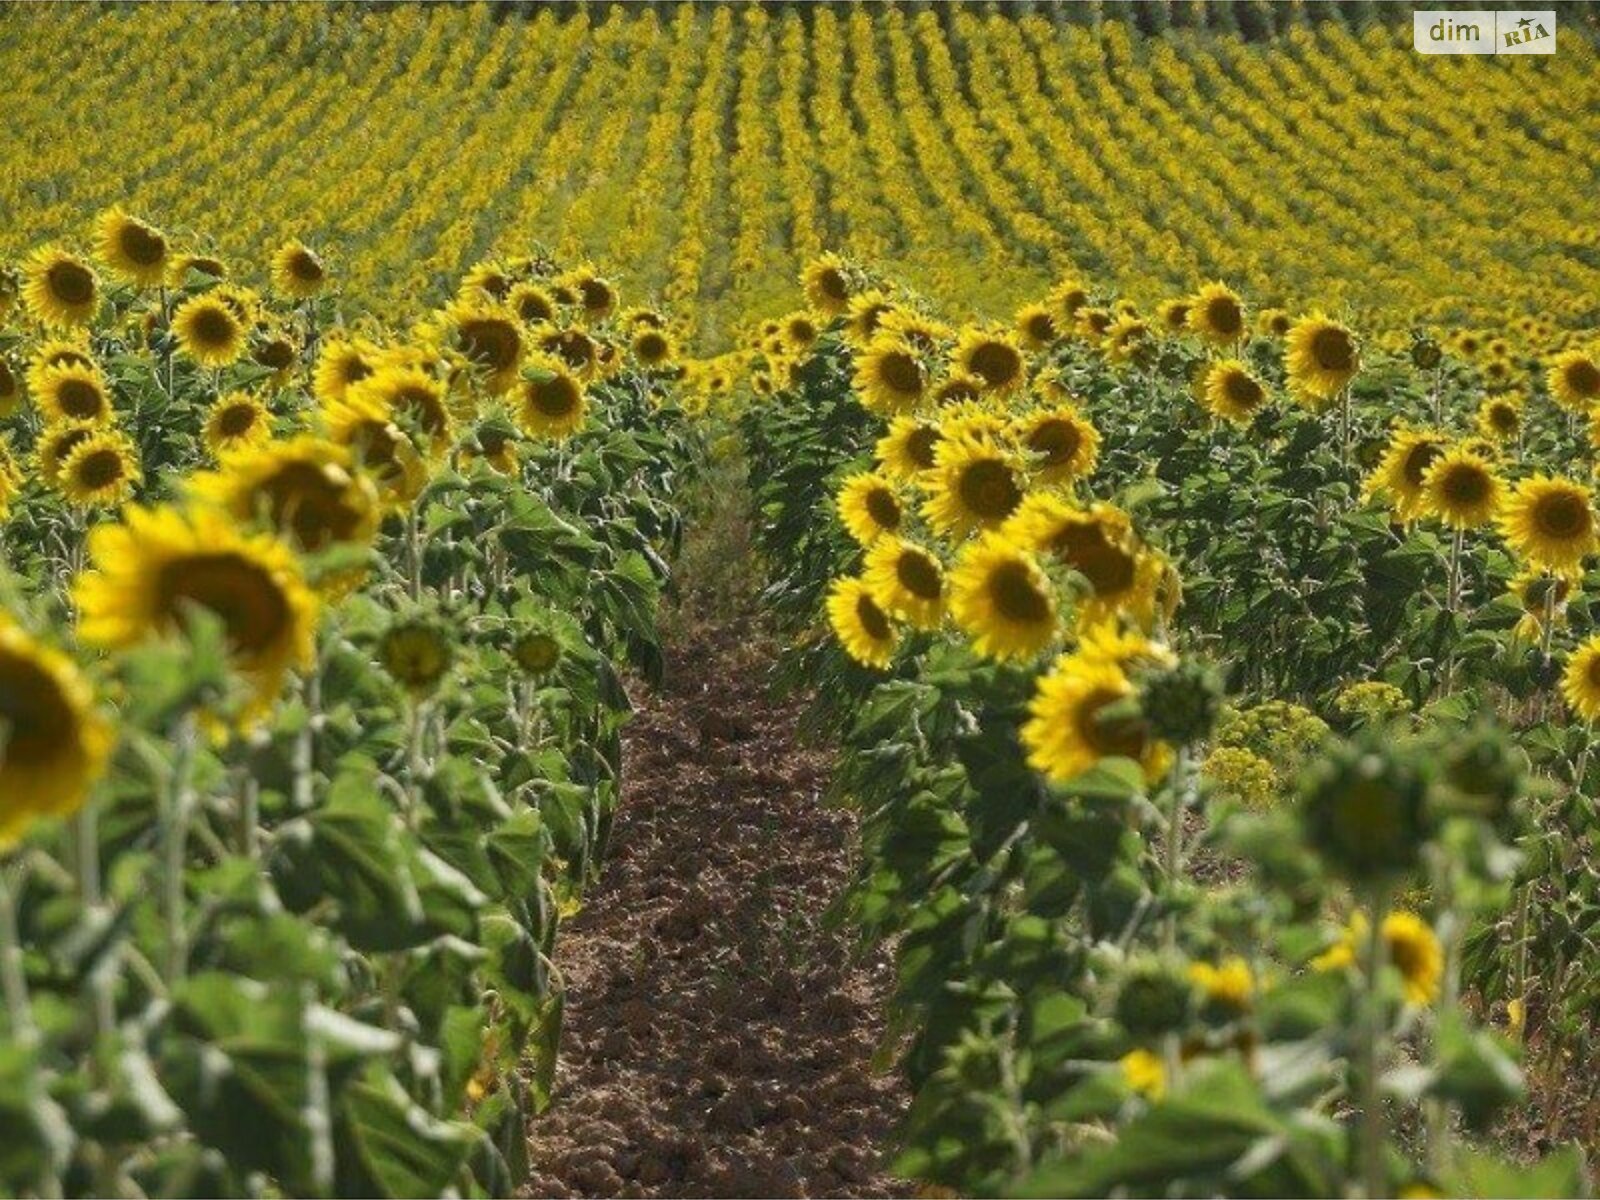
(189, 267)
(209, 330)
(596, 297)
(275, 352)
(1038, 326)
(1217, 314)
(863, 628)
(1400, 474)
(56, 744)
(1173, 315)
(1574, 381)
(342, 362)
(418, 399)
(72, 392)
(651, 347)
(956, 389)
(59, 289)
(1580, 682)
(1231, 393)
(975, 484)
(298, 271)
(1365, 809)
(417, 654)
(533, 304)
(152, 571)
(1274, 322)
(1321, 358)
(491, 278)
(131, 249)
(907, 581)
(1083, 710)
(536, 652)
(1551, 522)
(907, 450)
(1067, 297)
(1462, 489)
(870, 507)
(369, 428)
(891, 377)
(799, 331)
(56, 443)
(236, 420)
(992, 356)
(581, 353)
(100, 471)
(551, 401)
(829, 282)
(1500, 418)
(1001, 597)
(1062, 443)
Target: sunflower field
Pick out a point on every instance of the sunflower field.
(1170, 432)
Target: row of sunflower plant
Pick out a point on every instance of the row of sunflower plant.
(1215, 690)
(310, 640)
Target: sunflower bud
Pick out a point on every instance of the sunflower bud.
(1425, 352)
(417, 654)
(1181, 703)
(1365, 809)
(1153, 1001)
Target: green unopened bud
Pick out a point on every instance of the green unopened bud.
(1154, 1001)
(1425, 352)
(1365, 809)
(1182, 703)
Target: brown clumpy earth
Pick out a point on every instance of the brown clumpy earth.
(718, 1038)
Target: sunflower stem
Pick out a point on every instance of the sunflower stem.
(414, 554)
(180, 806)
(1373, 1176)
(1438, 1111)
(249, 814)
(1179, 785)
(13, 979)
(1453, 602)
(86, 837)
(305, 745)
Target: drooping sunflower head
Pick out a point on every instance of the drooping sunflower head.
(1001, 597)
(1038, 326)
(298, 271)
(343, 361)
(187, 268)
(1462, 489)
(829, 282)
(993, 356)
(306, 491)
(907, 581)
(870, 507)
(551, 400)
(1574, 380)
(907, 450)
(72, 392)
(1321, 358)
(1580, 682)
(652, 347)
(276, 352)
(1500, 418)
(366, 425)
(533, 304)
(891, 377)
(100, 471)
(56, 743)
(237, 420)
(133, 250)
(59, 289)
(1174, 314)
(975, 484)
(1062, 443)
(1217, 314)
(1232, 393)
(56, 443)
(209, 330)
(863, 628)
(1550, 521)
(1399, 475)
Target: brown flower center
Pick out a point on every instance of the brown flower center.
(70, 282)
(988, 490)
(873, 619)
(1562, 515)
(1017, 596)
(36, 718)
(995, 362)
(242, 593)
(919, 575)
(142, 244)
(1333, 349)
(883, 508)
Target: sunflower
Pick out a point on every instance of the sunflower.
(1543, 597)
(59, 288)
(366, 424)
(907, 581)
(890, 377)
(306, 491)
(1274, 322)
(551, 401)
(907, 450)
(416, 398)
(1217, 314)
(1232, 393)
(494, 441)
(1550, 522)
(209, 330)
(342, 363)
(980, 420)
(595, 294)
(10, 388)
(1001, 596)
(489, 277)
(100, 471)
(1099, 544)
(579, 351)
(1461, 489)
(1320, 356)
(1399, 474)
(71, 393)
(956, 389)
(59, 352)
(297, 271)
(203, 266)
(864, 316)
(1574, 381)
(1081, 712)
(277, 353)
(859, 622)
(1414, 950)
(536, 652)
(1092, 323)
(532, 304)
(55, 444)
(926, 334)
(236, 420)
(1067, 297)
(1037, 326)
(869, 508)
(992, 356)
(55, 743)
(1173, 315)
(1500, 418)
(1580, 682)
(798, 332)
(1126, 338)
(651, 347)
(417, 654)
(1497, 373)
(974, 484)
(134, 250)
(159, 562)
(828, 284)
(1062, 443)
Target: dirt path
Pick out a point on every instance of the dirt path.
(718, 1038)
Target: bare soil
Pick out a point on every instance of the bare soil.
(719, 1039)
